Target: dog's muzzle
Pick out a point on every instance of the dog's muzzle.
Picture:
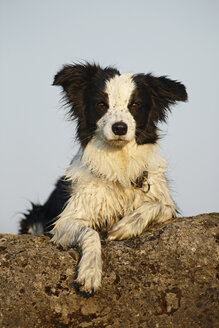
(119, 128)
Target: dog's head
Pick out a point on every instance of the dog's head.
(117, 108)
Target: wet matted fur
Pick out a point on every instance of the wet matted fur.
(117, 179)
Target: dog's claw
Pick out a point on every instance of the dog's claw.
(89, 283)
(80, 282)
(84, 289)
(111, 236)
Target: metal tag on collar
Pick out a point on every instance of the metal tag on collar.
(142, 180)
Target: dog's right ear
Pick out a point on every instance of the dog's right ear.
(73, 78)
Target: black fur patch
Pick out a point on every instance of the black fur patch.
(84, 88)
(155, 95)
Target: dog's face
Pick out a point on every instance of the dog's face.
(117, 125)
(117, 108)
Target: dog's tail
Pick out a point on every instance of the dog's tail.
(34, 221)
(39, 219)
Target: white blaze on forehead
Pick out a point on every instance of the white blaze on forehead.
(119, 90)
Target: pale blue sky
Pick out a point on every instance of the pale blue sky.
(171, 37)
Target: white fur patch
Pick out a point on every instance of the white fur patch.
(119, 90)
(36, 229)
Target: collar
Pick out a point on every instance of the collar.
(141, 182)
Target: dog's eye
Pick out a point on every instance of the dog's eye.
(134, 106)
(102, 106)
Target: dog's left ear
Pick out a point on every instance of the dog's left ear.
(164, 92)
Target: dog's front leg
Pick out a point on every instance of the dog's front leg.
(135, 223)
(71, 232)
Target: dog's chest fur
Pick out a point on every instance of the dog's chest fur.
(103, 181)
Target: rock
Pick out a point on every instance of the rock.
(165, 278)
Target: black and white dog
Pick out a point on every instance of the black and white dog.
(117, 179)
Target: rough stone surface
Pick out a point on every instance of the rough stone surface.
(166, 278)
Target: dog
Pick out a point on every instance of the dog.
(117, 179)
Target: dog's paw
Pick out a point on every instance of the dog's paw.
(89, 280)
(121, 230)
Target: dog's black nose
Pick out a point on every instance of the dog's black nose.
(119, 128)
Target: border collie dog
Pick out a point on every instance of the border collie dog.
(117, 180)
